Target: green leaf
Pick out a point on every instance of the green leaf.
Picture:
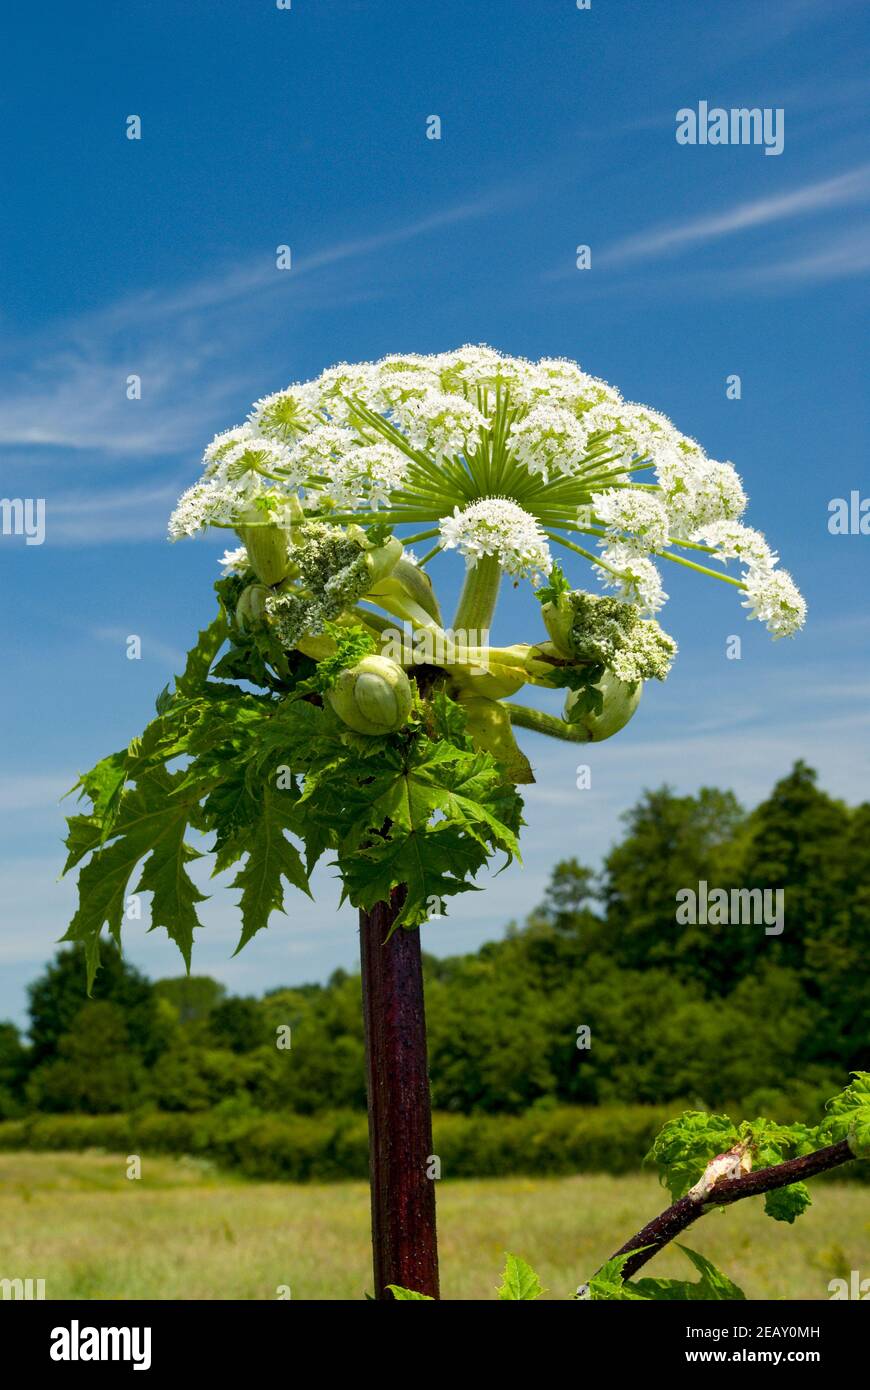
(200, 657)
(403, 1295)
(151, 821)
(786, 1203)
(685, 1146)
(608, 1285)
(519, 1281)
(713, 1285)
(272, 858)
(556, 584)
(848, 1115)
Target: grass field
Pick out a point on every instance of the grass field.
(185, 1232)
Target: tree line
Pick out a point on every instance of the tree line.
(663, 1011)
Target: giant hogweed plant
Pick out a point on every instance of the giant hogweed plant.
(327, 709)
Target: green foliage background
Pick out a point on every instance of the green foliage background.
(709, 1017)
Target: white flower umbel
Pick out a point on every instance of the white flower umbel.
(213, 502)
(639, 514)
(497, 526)
(634, 577)
(440, 425)
(284, 415)
(424, 441)
(697, 491)
(773, 597)
(481, 371)
(730, 540)
(549, 439)
(364, 476)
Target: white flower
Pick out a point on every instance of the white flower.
(641, 514)
(215, 452)
(697, 492)
(394, 385)
(234, 561)
(470, 369)
(440, 425)
(365, 475)
(549, 439)
(210, 502)
(549, 436)
(283, 415)
(773, 597)
(497, 526)
(334, 390)
(723, 491)
(637, 580)
(317, 451)
(654, 436)
(256, 455)
(605, 419)
(567, 384)
(733, 541)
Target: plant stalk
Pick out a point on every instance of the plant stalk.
(404, 1241)
(479, 596)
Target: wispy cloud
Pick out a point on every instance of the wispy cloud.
(850, 187)
(188, 344)
(838, 259)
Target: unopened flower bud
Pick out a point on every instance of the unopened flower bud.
(267, 550)
(373, 697)
(620, 702)
(558, 618)
(489, 726)
(251, 607)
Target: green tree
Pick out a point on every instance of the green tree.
(238, 1024)
(673, 843)
(94, 1070)
(59, 994)
(192, 996)
(13, 1070)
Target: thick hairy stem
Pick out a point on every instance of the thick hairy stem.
(479, 596)
(400, 1117)
(525, 718)
(661, 1231)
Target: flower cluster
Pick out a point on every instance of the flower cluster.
(607, 631)
(550, 439)
(502, 455)
(497, 526)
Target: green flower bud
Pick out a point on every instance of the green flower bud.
(251, 607)
(267, 551)
(382, 560)
(373, 697)
(489, 727)
(418, 586)
(558, 618)
(495, 683)
(620, 702)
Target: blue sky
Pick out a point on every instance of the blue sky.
(307, 127)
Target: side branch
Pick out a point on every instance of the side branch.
(525, 718)
(662, 1230)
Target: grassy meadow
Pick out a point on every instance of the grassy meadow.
(184, 1231)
